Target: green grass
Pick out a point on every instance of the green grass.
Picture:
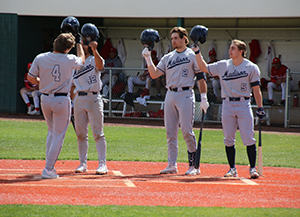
(160, 211)
(26, 140)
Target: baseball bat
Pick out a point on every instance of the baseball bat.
(260, 159)
(198, 151)
(73, 122)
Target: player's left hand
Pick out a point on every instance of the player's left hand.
(204, 105)
(78, 38)
(93, 45)
(260, 113)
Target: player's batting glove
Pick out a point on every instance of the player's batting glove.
(78, 38)
(260, 113)
(195, 48)
(147, 55)
(204, 104)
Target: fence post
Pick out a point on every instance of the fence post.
(110, 96)
(287, 99)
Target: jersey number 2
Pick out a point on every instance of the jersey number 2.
(56, 73)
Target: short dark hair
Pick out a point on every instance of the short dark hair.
(241, 46)
(63, 42)
(181, 32)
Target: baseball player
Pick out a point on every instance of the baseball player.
(238, 78)
(180, 68)
(278, 81)
(53, 72)
(143, 79)
(31, 90)
(88, 104)
(112, 61)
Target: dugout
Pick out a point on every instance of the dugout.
(26, 32)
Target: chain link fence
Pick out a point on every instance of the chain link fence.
(292, 109)
(129, 97)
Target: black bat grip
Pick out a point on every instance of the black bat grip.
(198, 151)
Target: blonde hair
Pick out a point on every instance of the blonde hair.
(241, 46)
(181, 32)
(63, 42)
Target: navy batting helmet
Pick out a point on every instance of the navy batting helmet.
(199, 33)
(70, 24)
(89, 33)
(149, 36)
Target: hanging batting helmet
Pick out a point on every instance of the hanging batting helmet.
(70, 24)
(149, 36)
(198, 33)
(89, 33)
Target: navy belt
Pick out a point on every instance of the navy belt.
(232, 99)
(57, 94)
(175, 89)
(86, 93)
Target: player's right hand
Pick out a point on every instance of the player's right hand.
(146, 53)
(260, 113)
(195, 47)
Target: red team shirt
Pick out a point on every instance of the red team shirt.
(278, 74)
(27, 83)
(146, 71)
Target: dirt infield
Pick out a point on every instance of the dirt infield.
(139, 183)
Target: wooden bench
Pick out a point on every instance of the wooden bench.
(124, 111)
(266, 109)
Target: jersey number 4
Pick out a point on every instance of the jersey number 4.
(56, 73)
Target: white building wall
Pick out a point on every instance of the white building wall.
(153, 8)
(288, 49)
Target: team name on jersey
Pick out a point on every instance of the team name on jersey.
(234, 75)
(177, 61)
(83, 70)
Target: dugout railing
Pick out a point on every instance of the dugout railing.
(118, 105)
(292, 104)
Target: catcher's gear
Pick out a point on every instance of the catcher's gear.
(70, 24)
(199, 33)
(89, 33)
(148, 37)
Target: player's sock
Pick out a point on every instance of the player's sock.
(230, 152)
(28, 104)
(37, 109)
(251, 151)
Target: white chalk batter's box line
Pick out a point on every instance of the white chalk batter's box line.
(128, 181)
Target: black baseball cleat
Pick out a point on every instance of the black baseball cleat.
(253, 174)
(282, 103)
(269, 102)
